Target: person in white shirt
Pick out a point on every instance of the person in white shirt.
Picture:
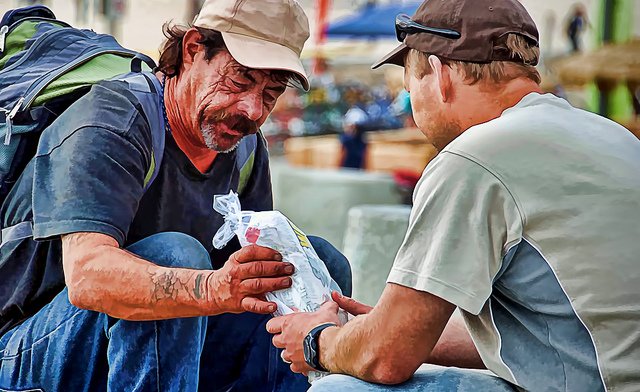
(526, 221)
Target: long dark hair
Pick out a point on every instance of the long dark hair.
(171, 52)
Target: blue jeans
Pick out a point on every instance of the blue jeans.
(434, 379)
(64, 348)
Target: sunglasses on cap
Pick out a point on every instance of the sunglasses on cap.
(406, 26)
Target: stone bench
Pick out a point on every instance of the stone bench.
(318, 201)
(373, 236)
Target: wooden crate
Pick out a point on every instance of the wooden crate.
(390, 156)
(386, 151)
(316, 151)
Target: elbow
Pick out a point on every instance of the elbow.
(83, 264)
(78, 296)
(390, 374)
(75, 298)
(79, 285)
(389, 369)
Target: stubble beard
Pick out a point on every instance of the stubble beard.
(209, 136)
(441, 131)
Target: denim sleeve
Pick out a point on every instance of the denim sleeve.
(258, 195)
(90, 180)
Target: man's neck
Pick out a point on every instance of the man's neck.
(490, 104)
(200, 155)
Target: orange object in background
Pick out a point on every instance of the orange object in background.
(320, 36)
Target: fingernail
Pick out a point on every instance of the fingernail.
(272, 308)
(286, 281)
(288, 269)
(278, 257)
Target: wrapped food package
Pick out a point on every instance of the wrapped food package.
(311, 282)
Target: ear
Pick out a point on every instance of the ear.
(406, 79)
(190, 46)
(443, 78)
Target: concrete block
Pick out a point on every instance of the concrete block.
(373, 236)
(318, 201)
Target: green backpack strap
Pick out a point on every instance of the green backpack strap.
(245, 158)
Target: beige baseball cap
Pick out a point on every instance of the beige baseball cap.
(260, 34)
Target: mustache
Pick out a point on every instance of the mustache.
(236, 122)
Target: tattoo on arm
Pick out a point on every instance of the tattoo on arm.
(197, 290)
(168, 284)
(164, 285)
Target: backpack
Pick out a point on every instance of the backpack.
(45, 66)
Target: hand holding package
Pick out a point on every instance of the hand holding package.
(311, 282)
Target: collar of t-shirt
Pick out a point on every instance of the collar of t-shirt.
(535, 99)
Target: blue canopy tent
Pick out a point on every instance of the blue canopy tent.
(372, 21)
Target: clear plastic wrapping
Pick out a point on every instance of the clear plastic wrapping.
(311, 282)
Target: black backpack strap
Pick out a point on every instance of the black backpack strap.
(138, 59)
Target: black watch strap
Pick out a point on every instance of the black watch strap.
(311, 346)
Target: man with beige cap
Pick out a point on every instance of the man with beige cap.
(526, 221)
(141, 299)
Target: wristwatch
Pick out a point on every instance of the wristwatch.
(310, 345)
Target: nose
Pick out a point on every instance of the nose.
(251, 106)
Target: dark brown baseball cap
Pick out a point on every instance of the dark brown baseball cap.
(482, 25)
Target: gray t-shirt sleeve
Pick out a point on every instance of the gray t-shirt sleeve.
(462, 222)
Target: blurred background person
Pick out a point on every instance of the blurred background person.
(353, 138)
(577, 24)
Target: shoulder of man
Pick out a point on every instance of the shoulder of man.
(108, 105)
(520, 131)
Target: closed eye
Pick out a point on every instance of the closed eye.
(239, 84)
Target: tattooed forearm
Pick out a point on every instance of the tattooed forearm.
(167, 284)
(103, 277)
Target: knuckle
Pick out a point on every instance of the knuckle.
(256, 285)
(248, 305)
(251, 251)
(234, 271)
(258, 269)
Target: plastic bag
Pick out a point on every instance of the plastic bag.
(311, 282)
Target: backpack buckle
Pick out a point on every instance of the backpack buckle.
(3, 34)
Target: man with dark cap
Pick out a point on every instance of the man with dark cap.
(526, 221)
